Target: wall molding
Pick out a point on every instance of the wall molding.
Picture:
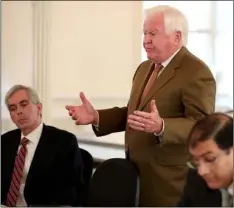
(99, 102)
(41, 25)
(91, 98)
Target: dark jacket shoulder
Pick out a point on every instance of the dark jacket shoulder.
(48, 131)
(61, 132)
(60, 136)
(196, 193)
(10, 135)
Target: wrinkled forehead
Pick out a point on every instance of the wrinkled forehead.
(18, 96)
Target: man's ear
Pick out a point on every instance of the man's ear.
(178, 37)
(39, 108)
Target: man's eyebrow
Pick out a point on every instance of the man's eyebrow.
(206, 153)
(23, 101)
(156, 30)
(11, 105)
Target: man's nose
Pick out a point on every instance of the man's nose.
(147, 39)
(19, 111)
(203, 169)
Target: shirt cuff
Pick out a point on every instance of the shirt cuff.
(161, 132)
(97, 126)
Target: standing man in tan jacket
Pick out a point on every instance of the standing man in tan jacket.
(170, 91)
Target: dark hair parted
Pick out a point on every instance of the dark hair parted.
(217, 126)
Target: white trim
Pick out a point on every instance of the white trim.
(41, 52)
(91, 98)
(213, 30)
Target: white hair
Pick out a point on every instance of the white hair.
(174, 20)
(32, 94)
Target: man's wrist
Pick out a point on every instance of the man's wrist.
(162, 130)
(96, 120)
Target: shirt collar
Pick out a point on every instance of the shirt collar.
(230, 189)
(35, 135)
(165, 63)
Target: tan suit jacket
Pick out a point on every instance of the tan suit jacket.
(184, 92)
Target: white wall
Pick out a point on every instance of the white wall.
(70, 47)
(16, 50)
(17, 45)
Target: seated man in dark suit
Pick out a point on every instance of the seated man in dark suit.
(210, 182)
(41, 165)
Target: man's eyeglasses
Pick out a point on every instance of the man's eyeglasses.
(194, 164)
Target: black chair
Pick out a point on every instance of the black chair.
(115, 183)
(87, 172)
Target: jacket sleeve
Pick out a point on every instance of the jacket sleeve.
(111, 120)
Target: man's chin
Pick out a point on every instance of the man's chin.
(149, 56)
(213, 185)
(22, 126)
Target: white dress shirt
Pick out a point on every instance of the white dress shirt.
(165, 63)
(230, 191)
(33, 138)
(227, 196)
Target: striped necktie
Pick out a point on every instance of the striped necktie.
(152, 78)
(13, 192)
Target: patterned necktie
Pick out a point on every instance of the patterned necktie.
(153, 76)
(13, 192)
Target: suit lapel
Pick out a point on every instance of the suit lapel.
(16, 144)
(139, 87)
(42, 157)
(12, 150)
(165, 76)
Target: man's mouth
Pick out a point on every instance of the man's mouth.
(22, 120)
(149, 49)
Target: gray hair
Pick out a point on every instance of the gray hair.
(32, 94)
(174, 20)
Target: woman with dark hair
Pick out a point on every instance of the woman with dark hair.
(210, 179)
